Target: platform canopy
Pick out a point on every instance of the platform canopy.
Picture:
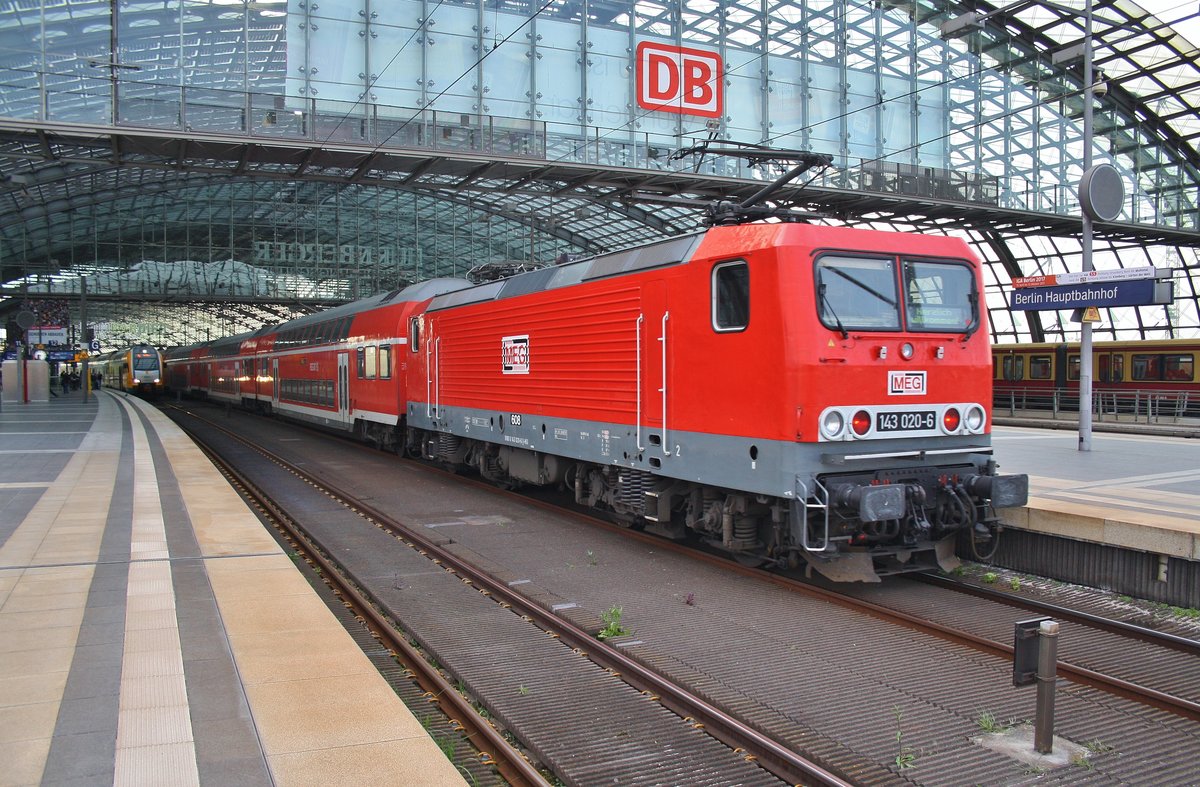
(201, 167)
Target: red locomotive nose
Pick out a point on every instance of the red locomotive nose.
(861, 422)
(951, 419)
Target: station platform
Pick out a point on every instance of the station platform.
(153, 632)
(1132, 491)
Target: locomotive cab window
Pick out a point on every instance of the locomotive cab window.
(940, 296)
(857, 292)
(731, 296)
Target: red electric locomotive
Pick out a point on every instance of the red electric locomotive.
(785, 392)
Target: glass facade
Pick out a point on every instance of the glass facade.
(907, 99)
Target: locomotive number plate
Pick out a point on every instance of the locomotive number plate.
(905, 422)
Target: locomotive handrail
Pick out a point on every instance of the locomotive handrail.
(437, 377)
(666, 447)
(821, 495)
(639, 383)
(428, 376)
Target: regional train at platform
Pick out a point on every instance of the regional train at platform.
(787, 393)
(136, 369)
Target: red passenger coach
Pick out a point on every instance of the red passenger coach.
(338, 368)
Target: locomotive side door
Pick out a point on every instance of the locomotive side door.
(343, 386)
(654, 336)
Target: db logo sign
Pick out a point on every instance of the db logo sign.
(514, 354)
(678, 79)
(906, 383)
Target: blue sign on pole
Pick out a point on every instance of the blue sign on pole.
(1139, 292)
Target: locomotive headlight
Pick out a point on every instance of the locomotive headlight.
(975, 418)
(951, 419)
(861, 423)
(906, 351)
(832, 424)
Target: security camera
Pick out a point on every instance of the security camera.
(1099, 85)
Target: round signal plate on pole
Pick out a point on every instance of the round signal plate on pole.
(1102, 192)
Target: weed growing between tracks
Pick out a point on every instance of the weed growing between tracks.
(612, 624)
(905, 757)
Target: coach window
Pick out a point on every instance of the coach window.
(385, 362)
(1146, 367)
(1178, 368)
(731, 296)
(1040, 367)
(362, 362)
(857, 292)
(1072, 367)
(414, 333)
(370, 375)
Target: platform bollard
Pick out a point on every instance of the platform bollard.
(1047, 678)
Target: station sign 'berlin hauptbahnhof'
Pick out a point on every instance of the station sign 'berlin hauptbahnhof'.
(1122, 287)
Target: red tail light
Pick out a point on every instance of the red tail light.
(951, 420)
(861, 423)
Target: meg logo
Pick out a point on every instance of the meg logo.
(514, 354)
(906, 383)
(679, 79)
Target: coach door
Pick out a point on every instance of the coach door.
(343, 386)
(274, 383)
(654, 347)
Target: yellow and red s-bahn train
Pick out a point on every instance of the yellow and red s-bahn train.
(1148, 366)
(136, 369)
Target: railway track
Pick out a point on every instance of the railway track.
(746, 744)
(495, 751)
(868, 761)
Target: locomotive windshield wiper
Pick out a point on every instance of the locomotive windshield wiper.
(862, 285)
(833, 314)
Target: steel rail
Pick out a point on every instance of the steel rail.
(772, 755)
(498, 752)
(1118, 627)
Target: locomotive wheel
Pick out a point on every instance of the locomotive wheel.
(985, 538)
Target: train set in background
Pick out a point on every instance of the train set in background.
(136, 369)
(785, 392)
(1159, 373)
